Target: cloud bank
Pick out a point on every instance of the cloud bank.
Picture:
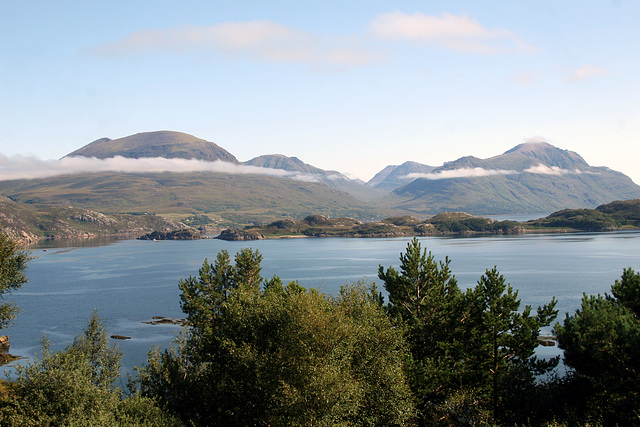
(254, 40)
(267, 41)
(460, 173)
(456, 32)
(539, 169)
(22, 167)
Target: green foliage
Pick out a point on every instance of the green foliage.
(425, 300)
(500, 343)
(625, 211)
(76, 387)
(601, 342)
(283, 355)
(626, 291)
(201, 297)
(13, 262)
(471, 354)
(477, 225)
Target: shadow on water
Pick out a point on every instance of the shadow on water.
(74, 243)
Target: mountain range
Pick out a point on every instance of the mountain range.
(530, 178)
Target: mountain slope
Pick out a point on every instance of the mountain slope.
(167, 144)
(530, 178)
(394, 176)
(292, 164)
(332, 179)
(227, 198)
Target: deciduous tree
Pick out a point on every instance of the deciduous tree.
(76, 386)
(13, 263)
(284, 355)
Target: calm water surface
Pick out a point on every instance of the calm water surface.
(131, 281)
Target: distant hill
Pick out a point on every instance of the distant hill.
(332, 179)
(531, 177)
(394, 176)
(292, 164)
(167, 144)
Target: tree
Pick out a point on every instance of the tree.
(601, 343)
(284, 355)
(425, 301)
(76, 386)
(469, 353)
(500, 346)
(13, 262)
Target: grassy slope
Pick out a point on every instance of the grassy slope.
(233, 198)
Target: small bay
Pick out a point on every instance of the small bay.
(131, 281)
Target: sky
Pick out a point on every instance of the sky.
(351, 86)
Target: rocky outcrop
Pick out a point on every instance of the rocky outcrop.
(160, 320)
(29, 224)
(4, 344)
(120, 337)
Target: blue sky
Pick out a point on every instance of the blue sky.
(349, 86)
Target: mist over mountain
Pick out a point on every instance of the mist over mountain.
(395, 176)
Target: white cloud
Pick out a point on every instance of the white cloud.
(553, 170)
(253, 40)
(272, 42)
(457, 32)
(478, 172)
(21, 167)
(587, 71)
(460, 173)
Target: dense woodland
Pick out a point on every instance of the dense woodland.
(257, 351)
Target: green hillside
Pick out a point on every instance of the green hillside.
(227, 198)
(619, 214)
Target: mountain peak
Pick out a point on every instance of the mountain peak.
(280, 161)
(547, 154)
(394, 176)
(167, 144)
(531, 146)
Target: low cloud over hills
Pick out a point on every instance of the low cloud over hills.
(117, 175)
